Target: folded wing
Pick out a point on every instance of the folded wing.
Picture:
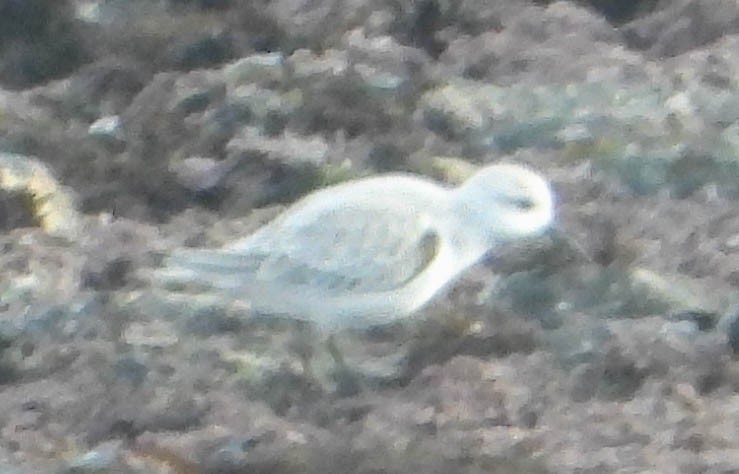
(331, 253)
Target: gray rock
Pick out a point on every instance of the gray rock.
(731, 325)
(678, 27)
(106, 457)
(259, 68)
(289, 149)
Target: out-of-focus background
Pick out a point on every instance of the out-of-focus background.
(130, 128)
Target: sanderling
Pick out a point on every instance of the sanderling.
(370, 251)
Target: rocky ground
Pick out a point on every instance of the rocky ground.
(130, 128)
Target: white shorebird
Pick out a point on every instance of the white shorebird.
(371, 251)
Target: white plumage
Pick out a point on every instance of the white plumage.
(373, 250)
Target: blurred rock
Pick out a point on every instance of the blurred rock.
(288, 149)
(108, 127)
(678, 27)
(202, 174)
(732, 329)
(147, 126)
(39, 41)
(51, 204)
(263, 68)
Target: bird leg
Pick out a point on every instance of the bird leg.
(347, 381)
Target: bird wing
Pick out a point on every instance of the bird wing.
(362, 246)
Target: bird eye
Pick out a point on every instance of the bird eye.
(523, 203)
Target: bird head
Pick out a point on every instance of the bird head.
(510, 200)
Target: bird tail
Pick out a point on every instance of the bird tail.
(204, 269)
